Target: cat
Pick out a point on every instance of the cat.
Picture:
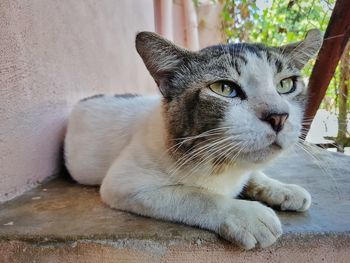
(185, 155)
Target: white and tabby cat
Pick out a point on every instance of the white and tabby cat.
(224, 113)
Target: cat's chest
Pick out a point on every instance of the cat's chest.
(229, 183)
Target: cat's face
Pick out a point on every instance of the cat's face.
(230, 103)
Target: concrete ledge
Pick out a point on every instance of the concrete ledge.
(64, 222)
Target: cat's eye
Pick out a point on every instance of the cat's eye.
(226, 89)
(286, 86)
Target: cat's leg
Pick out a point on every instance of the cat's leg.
(277, 194)
(247, 223)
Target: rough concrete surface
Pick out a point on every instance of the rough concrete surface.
(61, 221)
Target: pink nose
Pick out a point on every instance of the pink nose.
(276, 120)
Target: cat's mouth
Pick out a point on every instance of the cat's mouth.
(276, 146)
(273, 145)
(263, 155)
(270, 150)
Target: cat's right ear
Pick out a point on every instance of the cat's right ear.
(301, 52)
(160, 56)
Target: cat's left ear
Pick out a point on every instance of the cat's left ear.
(160, 56)
(301, 52)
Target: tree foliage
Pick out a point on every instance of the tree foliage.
(274, 22)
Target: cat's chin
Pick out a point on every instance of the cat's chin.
(261, 157)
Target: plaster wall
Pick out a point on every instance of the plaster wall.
(209, 24)
(52, 54)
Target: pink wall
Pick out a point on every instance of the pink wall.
(209, 23)
(189, 26)
(176, 20)
(51, 55)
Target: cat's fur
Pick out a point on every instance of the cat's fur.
(186, 155)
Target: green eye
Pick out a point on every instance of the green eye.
(286, 86)
(226, 89)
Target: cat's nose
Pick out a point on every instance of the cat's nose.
(276, 120)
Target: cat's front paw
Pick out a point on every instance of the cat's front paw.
(286, 197)
(250, 224)
(293, 198)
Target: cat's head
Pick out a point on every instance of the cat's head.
(236, 102)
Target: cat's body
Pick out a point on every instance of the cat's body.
(102, 129)
(186, 155)
(99, 130)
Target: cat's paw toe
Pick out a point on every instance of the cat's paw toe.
(255, 225)
(295, 198)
